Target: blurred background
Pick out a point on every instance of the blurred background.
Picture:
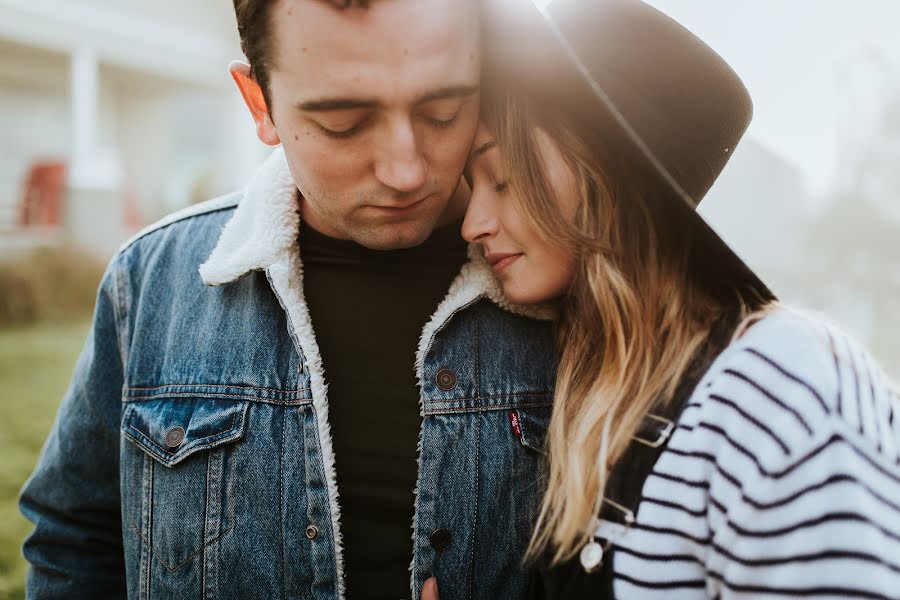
(114, 113)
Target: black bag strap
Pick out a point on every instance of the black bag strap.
(626, 480)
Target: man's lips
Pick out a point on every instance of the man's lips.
(402, 208)
(501, 260)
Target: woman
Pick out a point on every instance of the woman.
(705, 440)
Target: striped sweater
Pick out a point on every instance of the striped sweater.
(782, 478)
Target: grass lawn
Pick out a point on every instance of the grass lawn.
(35, 366)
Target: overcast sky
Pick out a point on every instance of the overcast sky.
(794, 57)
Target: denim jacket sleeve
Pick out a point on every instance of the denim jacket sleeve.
(72, 496)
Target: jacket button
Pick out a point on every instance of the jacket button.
(440, 539)
(312, 532)
(174, 437)
(446, 379)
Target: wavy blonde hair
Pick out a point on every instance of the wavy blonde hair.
(631, 323)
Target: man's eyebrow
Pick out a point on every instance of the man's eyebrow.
(482, 149)
(452, 91)
(328, 104)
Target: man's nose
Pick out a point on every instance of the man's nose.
(480, 223)
(401, 166)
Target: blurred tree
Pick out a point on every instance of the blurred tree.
(854, 245)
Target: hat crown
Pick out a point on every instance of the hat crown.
(685, 104)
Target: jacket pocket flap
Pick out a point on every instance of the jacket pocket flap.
(530, 426)
(170, 430)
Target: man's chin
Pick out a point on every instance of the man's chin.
(395, 235)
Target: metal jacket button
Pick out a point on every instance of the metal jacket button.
(312, 532)
(440, 539)
(174, 437)
(446, 379)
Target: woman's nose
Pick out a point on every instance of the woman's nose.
(480, 223)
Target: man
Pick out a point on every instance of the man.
(197, 454)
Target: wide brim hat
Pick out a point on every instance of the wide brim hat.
(641, 82)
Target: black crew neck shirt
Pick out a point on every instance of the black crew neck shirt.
(368, 309)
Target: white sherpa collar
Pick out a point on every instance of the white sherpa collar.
(264, 226)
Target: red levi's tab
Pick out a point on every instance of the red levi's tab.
(516, 426)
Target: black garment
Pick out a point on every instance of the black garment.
(570, 581)
(368, 309)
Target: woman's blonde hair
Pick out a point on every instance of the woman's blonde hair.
(631, 323)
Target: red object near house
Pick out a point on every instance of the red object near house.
(43, 194)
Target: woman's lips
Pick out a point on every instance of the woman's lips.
(501, 260)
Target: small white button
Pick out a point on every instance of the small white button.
(591, 556)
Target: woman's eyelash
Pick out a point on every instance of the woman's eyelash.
(501, 187)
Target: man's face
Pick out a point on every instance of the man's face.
(376, 109)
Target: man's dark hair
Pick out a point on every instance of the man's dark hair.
(256, 37)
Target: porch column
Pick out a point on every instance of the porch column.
(85, 105)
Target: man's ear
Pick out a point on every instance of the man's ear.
(256, 102)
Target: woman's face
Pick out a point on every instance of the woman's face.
(529, 268)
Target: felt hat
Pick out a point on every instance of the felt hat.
(637, 79)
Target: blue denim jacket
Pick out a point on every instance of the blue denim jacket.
(191, 456)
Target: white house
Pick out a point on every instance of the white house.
(133, 97)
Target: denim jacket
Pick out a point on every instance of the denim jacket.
(191, 456)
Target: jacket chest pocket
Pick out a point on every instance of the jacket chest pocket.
(178, 474)
(530, 426)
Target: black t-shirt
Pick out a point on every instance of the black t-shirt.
(368, 309)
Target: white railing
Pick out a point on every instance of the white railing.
(16, 240)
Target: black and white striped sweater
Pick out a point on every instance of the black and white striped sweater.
(782, 478)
